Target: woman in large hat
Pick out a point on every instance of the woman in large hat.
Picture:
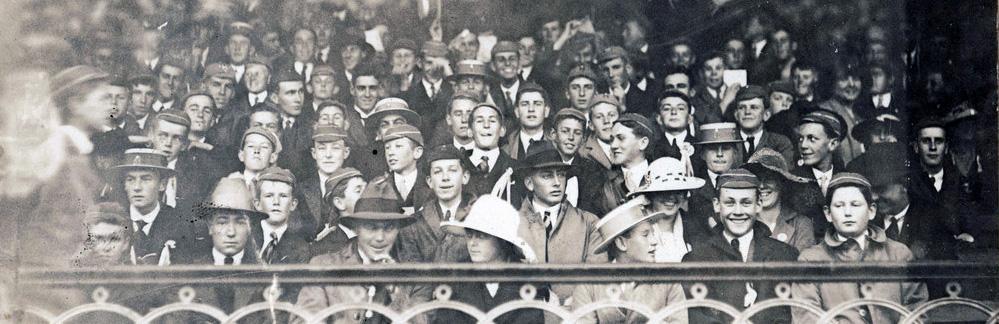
(667, 187)
(491, 237)
(777, 186)
(629, 238)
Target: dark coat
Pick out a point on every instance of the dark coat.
(952, 195)
(332, 242)
(763, 249)
(807, 198)
(665, 149)
(613, 192)
(292, 248)
(706, 107)
(642, 102)
(925, 231)
(311, 197)
(590, 176)
(572, 240)
(426, 238)
(417, 196)
(430, 109)
(477, 295)
(225, 297)
(482, 183)
(514, 148)
(168, 226)
(774, 141)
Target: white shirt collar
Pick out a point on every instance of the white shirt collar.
(364, 115)
(878, 98)
(149, 218)
(322, 183)
(713, 177)
(671, 246)
(635, 173)
(744, 243)
(268, 228)
(478, 153)
(525, 139)
(553, 211)
(220, 258)
(256, 98)
(756, 136)
(78, 138)
(861, 240)
(408, 181)
(525, 71)
(938, 179)
(445, 209)
(605, 147)
(642, 84)
(346, 230)
(142, 121)
(717, 93)
(512, 89)
(469, 146)
(899, 218)
(818, 174)
(436, 86)
(679, 139)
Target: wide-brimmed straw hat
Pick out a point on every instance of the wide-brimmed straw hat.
(494, 216)
(620, 220)
(667, 174)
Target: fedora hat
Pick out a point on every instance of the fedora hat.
(393, 105)
(539, 156)
(377, 205)
(494, 216)
(887, 123)
(718, 133)
(145, 158)
(230, 195)
(470, 68)
(620, 220)
(766, 162)
(667, 174)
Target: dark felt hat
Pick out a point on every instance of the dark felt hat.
(539, 156)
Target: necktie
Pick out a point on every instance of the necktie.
(936, 185)
(229, 260)
(735, 245)
(139, 238)
(484, 164)
(447, 215)
(672, 143)
(288, 123)
(433, 91)
(892, 230)
(509, 98)
(548, 224)
(752, 145)
(822, 183)
(299, 67)
(530, 143)
(269, 250)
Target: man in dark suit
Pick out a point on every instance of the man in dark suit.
(532, 110)
(506, 67)
(168, 133)
(387, 113)
(429, 94)
(935, 178)
(751, 111)
(881, 97)
(718, 152)
(302, 58)
(287, 92)
(675, 121)
(343, 188)
(278, 242)
(329, 150)
(170, 81)
(448, 175)
(486, 125)
(143, 92)
(241, 44)
(740, 238)
(617, 69)
(585, 175)
(712, 96)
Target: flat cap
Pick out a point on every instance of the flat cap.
(74, 76)
(751, 92)
(610, 53)
(887, 123)
(244, 29)
(466, 94)
(433, 48)
(738, 179)
(470, 68)
(322, 69)
(176, 116)
(445, 152)
(260, 60)
(505, 47)
(570, 113)
(581, 71)
(604, 98)
(341, 174)
(328, 134)
(642, 122)
(277, 174)
(403, 131)
(848, 178)
(404, 43)
(490, 106)
(829, 118)
(220, 70)
(782, 86)
(286, 75)
(273, 138)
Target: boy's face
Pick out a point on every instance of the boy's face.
(750, 114)
(487, 127)
(626, 146)
(329, 155)
(267, 120)
(849, 212)
(674, 114)
(401, 154)
(277, 201)
(108, 241)
(719, 157)
(355, 186)
(737, 209)
(531, 110)
(931, 145)
(580, 91)
(143, 97)
(229, 231)
(257, 153)
(814, 144)
(602, 118)
(568, 136)
(446, 179)
(143, 187)
(457, 119)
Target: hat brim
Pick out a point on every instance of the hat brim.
(376, 216)
(762, 170)
(718, 142)
(523, 171)
(516, 241)
(412, 117)
(454, 77)
(685, 185)
(207, 211)
(602, 247)
(166, 172)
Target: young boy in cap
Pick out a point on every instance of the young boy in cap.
(322, 87)
(580, 87)
(376, 220)
(617, 69)
(282, 237)
(447, 176)
(388, 112)
(471, 75)
(849, 208)
(820, 134)
(343, 188)
(741, 238)
(667, 187)
(531, 109)
(404, 180)
(258, 151)
(780, 96)
(557, 231)
(751, 111)
(633, 136)
(219, 81)
(486, 126)
(603, 111)
(329, 152)
(583, 188)
(169, 133)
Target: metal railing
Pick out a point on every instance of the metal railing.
(693, 275)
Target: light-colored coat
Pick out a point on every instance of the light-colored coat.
(572, 241)
(592, 151)
(655, 296)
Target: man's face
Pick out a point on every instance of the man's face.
(674, 114)
(880, 81)
(323, 86)
(95, 108)
(815, 145)
(616, 71)
(712, 72)
(351, 56)
(324, 31)
(804, 81)
(170, 79)
(290, 96)
(256, 77)
(365, 92)
(682, 55)
(931, 145)
(550, 31)
(143, 97)
(602, 118)
(531, 110)
(169, 138)
(626, 146)
(403, 60)
(849, 212)
(277, 201)
(143, 188)
(547, 185)
(782, 44)
(272, 41)
(388, 121)
(506, 64)
(528, 48)
(735, 54)
(583, 55)
(737, 210)
(634, 36)
(376, 238)
(678, 82)
(433, 66)
(720, 157)
(239, 49)
(890, 199)
(580, 91)
(848, 88)
(303, 46)
(780, 101)
(750, 114)
(221, 90)
(257, 153)
(568, 136)
(474, 84)
(200, 110)
(487, 128)
(108, 242)
(401, 154)
(457, 119)
(447, 178)
(119, 102)
(329, 155)
(468, 48)
(266, 119)
(229, 231)
(355, 186)
(331, 116)
(876, 52)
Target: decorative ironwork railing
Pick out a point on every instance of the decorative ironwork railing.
(102, 281)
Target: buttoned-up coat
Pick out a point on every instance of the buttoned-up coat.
(573, 238)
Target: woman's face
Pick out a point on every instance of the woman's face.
(638, 244)
(483, 248)
(769, 193)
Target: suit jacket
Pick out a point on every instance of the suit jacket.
(225, 297)
(292, 248)
(417, 196)
(763, 249)
(774, 141)
(613, 192)
(589, 177)
(794, 229)
(572, 241)
(295, 144)
(430, 109)
(195, 179)
(666, 149)
(515, 149)
(401, 298)
(951, 197)
(477, 295)
(592, 151)
(642, 102)
(310, 195)
(655, 296)
(168, 226)
(926, 231)
(426, 238)
(807, 198)
(482, 183)
(706, 107)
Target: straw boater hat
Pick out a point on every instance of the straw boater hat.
(377, 205)
(230, 195)
(145, 158)
(667, 174)
(767, 162)
(393, 105)
(494, 216)
(718, 133)
(620, 220)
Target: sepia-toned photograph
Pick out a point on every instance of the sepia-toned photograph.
(499, 161)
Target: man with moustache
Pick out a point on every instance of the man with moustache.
(604, 110)
(740, 238)
(847, 87)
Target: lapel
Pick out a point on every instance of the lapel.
(595, 153)
(313, 197)
(512, 146)
(728, 253)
